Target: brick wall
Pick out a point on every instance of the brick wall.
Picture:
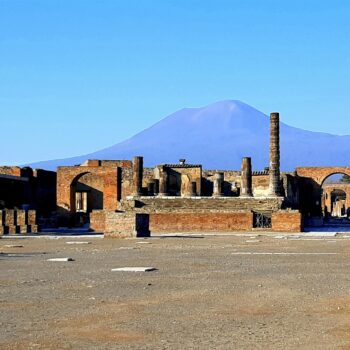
(108, 178)
(287, 221)
(122, 225)
(200, 222)
(98, 220)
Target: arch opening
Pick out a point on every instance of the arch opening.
(335, 198)
(86, 195)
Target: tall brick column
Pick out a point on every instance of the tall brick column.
(246, 187)
(274, 187)
(218, 182)
(137, 175)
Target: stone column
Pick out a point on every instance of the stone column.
(218, 182)
(163, 183)
(274, 170)
(246, 185)
(137, 175)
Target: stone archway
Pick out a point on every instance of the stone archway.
(336, 199)
(86, 193)
(311, 181)
(320, 174)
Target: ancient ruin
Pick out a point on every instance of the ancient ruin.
(123, 198)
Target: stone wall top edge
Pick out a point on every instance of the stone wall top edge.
(201, 198)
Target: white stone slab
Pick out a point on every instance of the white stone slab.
(77, 242)
(319, 234)
(279, 253)
(143, 242)
(61, 259)
(13, 246)
(253, 241)
(134, 269)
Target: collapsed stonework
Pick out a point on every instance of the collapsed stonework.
(26, 197)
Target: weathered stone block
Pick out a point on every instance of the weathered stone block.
(2, 217)
(13, 229)
(23, 229)
(31, 220)
(21, 217)
(33, 228)
(10, 217)
(121, 225)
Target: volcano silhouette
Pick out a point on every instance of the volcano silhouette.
(218, 136)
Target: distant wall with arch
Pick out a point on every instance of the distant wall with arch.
(103, 182)
(311, 180)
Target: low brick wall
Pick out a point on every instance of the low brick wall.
(287, 221)
(200, 222)
(98, 220)
(122, 225)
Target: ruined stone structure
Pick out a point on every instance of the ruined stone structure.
(311, 182)
(123, 198)
(25, 195)
(335, 199)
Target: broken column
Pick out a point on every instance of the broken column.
(274, 170)
(163, 183)
(246, 185)
(137, 175)
(218, 184)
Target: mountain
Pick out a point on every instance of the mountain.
(218, 136)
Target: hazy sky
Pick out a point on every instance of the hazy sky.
(77, 76)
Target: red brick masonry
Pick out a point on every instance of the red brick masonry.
(201, 222)
(287, 221)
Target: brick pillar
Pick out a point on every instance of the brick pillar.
(163, 183)
(246, 186)
(193, 189)
(274, 187)
(151, 188)
(218, 182)
(137, 175)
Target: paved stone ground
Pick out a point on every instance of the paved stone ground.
(230, 292)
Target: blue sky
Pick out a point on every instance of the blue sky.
(77, 76)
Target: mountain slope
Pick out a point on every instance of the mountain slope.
(218, 136)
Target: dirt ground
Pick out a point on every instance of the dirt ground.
(212, 292)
